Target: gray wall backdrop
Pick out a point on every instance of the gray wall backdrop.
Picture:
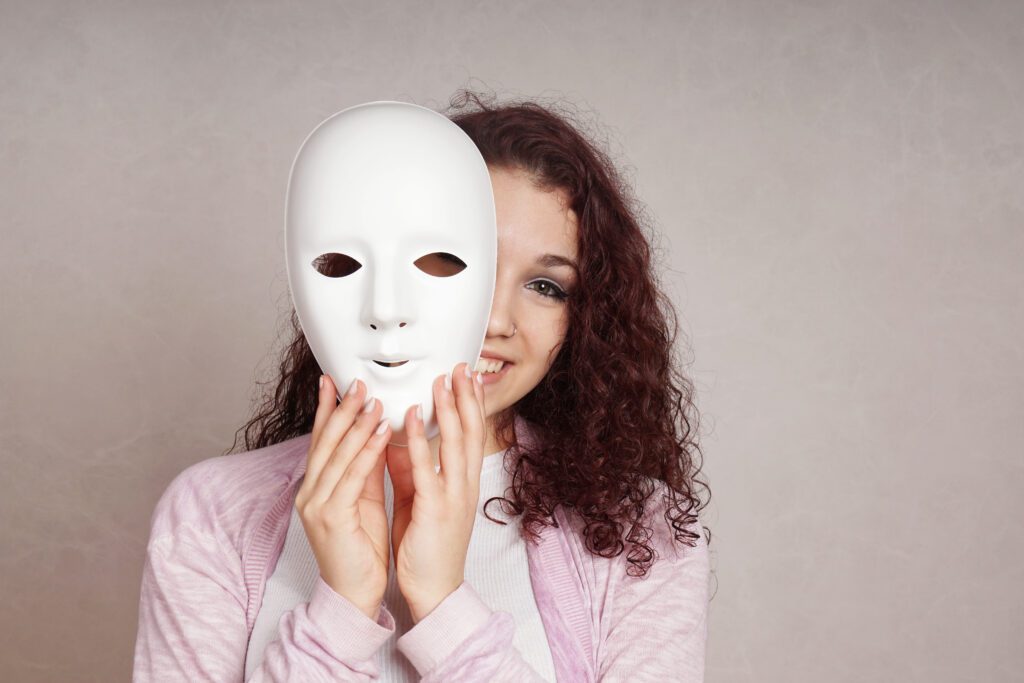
(839, 191)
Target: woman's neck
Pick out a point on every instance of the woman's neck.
(493, 443)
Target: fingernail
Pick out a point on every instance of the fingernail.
(321, 381)
(448, 381)
(382, 427)
(352, 388)
(369, 405)
(479, 378)
(468, 373)
(419, 412)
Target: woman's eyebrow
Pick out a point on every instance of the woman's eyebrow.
(552, 260)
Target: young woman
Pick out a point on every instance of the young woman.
(273, 564)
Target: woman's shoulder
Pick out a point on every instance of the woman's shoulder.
(228, 495)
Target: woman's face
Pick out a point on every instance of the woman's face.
(533, 227)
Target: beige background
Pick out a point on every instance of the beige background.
(839, 187)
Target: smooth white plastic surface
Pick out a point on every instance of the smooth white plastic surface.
(388, 184)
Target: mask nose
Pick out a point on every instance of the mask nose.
(388, 306)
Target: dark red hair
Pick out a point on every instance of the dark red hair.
(614, 414)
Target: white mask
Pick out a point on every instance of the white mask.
(377, 193)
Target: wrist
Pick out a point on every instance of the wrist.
(371, 611)
(421, 606)
(422, 609)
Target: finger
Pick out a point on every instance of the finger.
(424, 479)
(400, 467)
(469, 417)
(351, 443)
(353, 480)
(339, 418)
(374, 489)
(453, 465)
(478, 388)
(324, 408)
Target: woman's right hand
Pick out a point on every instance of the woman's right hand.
(341, 499)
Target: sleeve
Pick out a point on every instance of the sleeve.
(192, 624)
(464, 641)
(655, 628)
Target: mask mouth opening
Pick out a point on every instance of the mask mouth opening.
(393, 364)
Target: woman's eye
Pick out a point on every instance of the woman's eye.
(549, 289)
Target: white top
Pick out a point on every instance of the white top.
(496, 568)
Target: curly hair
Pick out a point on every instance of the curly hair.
(614, 413)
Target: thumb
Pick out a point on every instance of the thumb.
(400, 467)
(478, 389)
(374, 486)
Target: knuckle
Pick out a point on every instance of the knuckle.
(304, 510)
(327, 519)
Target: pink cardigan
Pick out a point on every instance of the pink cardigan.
(217, 532)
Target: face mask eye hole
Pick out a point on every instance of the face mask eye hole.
(440, 264)
(336, 265)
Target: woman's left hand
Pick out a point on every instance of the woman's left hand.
(434, 511)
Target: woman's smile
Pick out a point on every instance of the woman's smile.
(484, 366)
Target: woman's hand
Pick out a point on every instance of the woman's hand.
(434, 511)
(341, 499)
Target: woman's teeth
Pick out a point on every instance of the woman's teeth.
(485, 365)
